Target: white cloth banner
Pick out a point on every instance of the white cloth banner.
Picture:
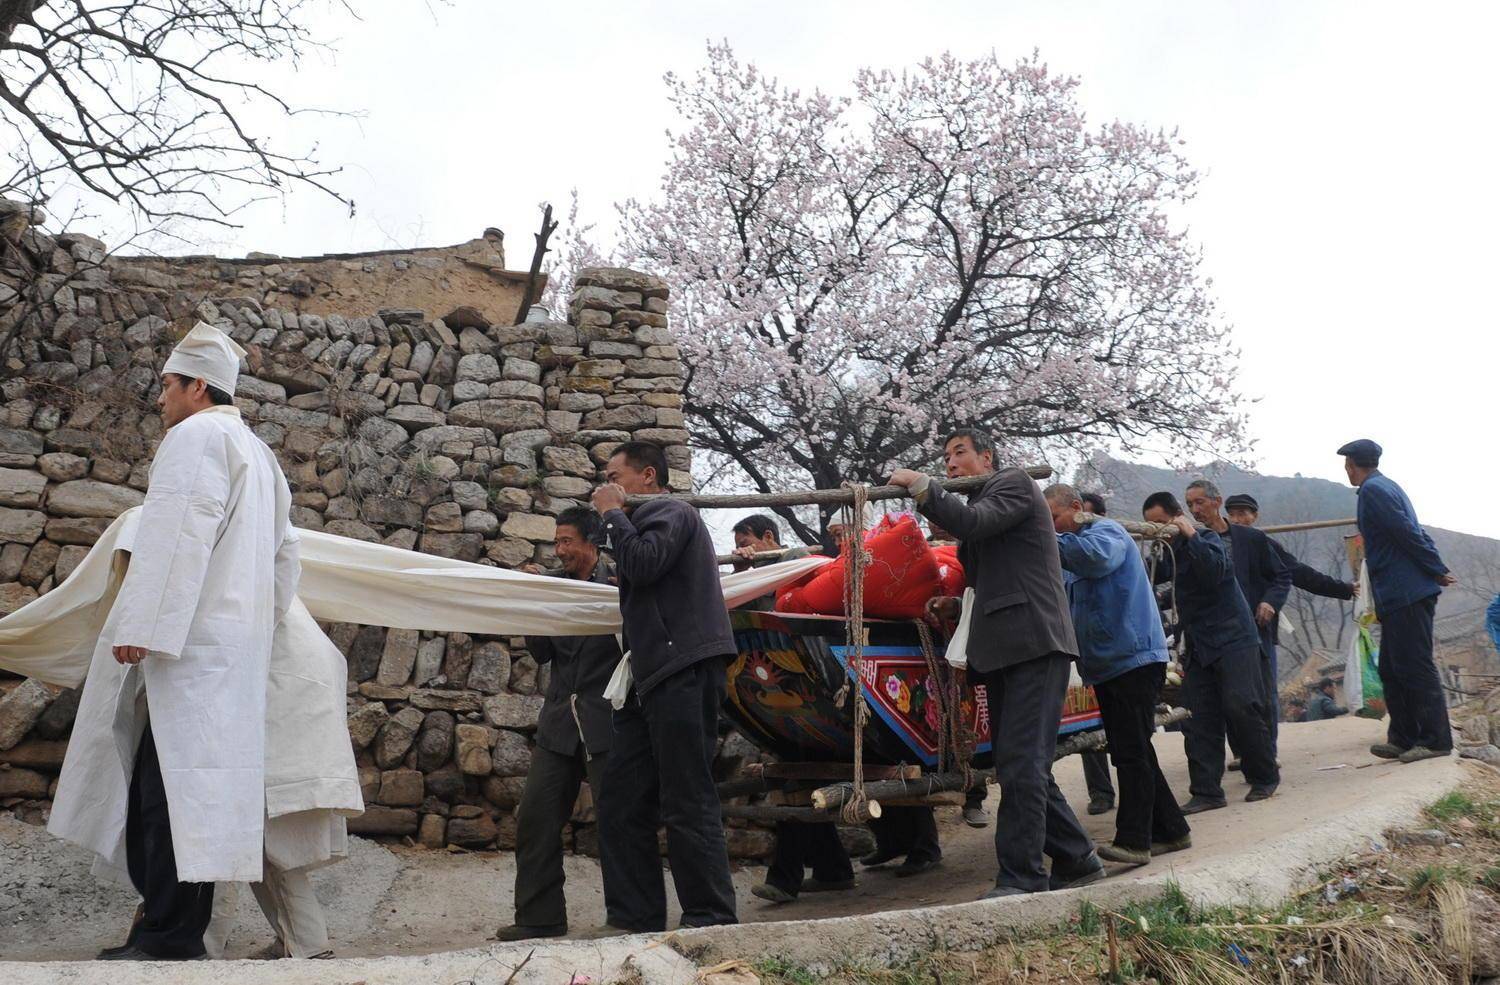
(345, 580)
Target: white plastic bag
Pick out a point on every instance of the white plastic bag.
(958, 646)
(618, 688)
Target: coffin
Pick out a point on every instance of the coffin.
(788, 671)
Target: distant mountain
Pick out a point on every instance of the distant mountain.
(1295, 499)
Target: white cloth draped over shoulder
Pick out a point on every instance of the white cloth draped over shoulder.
(309, 764)
(212, 571)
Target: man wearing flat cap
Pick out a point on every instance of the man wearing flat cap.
(1406, 577)
(1245, 511)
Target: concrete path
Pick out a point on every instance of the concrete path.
(438, 909)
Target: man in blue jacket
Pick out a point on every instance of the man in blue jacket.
(1406, 577)
(660, 769)
(1122, 654)
(1222, 674)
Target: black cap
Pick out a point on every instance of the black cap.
(1242, 501)
(1364, 452)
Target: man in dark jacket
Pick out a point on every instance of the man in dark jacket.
(661, 767)
(1021, 648)
(1244, 511)
(573, 738)
(1406, 577)
(1222, 683)
(1320, 704)
(1263, 579)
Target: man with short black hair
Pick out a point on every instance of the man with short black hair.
(1406, 577)
(660, 769)
(1021, 647)
(1222, 684)
(1320, 703)
(574, 735)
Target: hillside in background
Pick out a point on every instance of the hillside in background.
(1321, 624)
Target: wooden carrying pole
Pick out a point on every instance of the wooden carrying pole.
(836, 795)
(1166, 531)
(820, 497)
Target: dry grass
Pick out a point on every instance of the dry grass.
(1399, 917)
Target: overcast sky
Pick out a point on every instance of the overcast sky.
(1348, 208)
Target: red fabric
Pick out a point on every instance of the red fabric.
(903, 573)
(950, 570)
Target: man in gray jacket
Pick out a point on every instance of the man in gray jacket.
(1021, 648)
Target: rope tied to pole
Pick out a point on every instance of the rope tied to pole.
(854, 629)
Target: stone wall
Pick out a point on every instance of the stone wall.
(451, 435)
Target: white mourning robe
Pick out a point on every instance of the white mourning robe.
(213, 568)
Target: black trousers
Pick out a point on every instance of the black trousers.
(552, 785)
(1147, 811)
(660, 770)
(1271, 692)
(174, 914)
(1096, 773)
(1226, 694)
(909, 831)
(1413, 688)
(799, 846)
(1025, 701)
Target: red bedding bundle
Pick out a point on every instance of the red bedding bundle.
(903, 573)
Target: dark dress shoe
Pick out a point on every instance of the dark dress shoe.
(521, 932)
(109, 952)
(1260, 791)
(1233, 766)
(912, 868)
(1197, 805)
(1101, 805)
(1089, 870)
(1386, 750)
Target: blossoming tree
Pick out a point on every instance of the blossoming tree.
(954, 245)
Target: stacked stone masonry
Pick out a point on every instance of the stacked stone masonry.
(445, 433)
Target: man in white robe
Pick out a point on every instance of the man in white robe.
(213, 569)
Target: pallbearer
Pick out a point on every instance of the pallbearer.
(660, 770)
(165, 776)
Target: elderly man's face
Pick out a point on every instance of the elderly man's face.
(1242, 516)
(1065, 515)
(1205, 508)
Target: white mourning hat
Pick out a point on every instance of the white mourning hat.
(207, 354)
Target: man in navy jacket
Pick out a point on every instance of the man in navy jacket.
(1406, 577)
(1262, 577)
(1245, 511)
(660, 769)
(1222, 684)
